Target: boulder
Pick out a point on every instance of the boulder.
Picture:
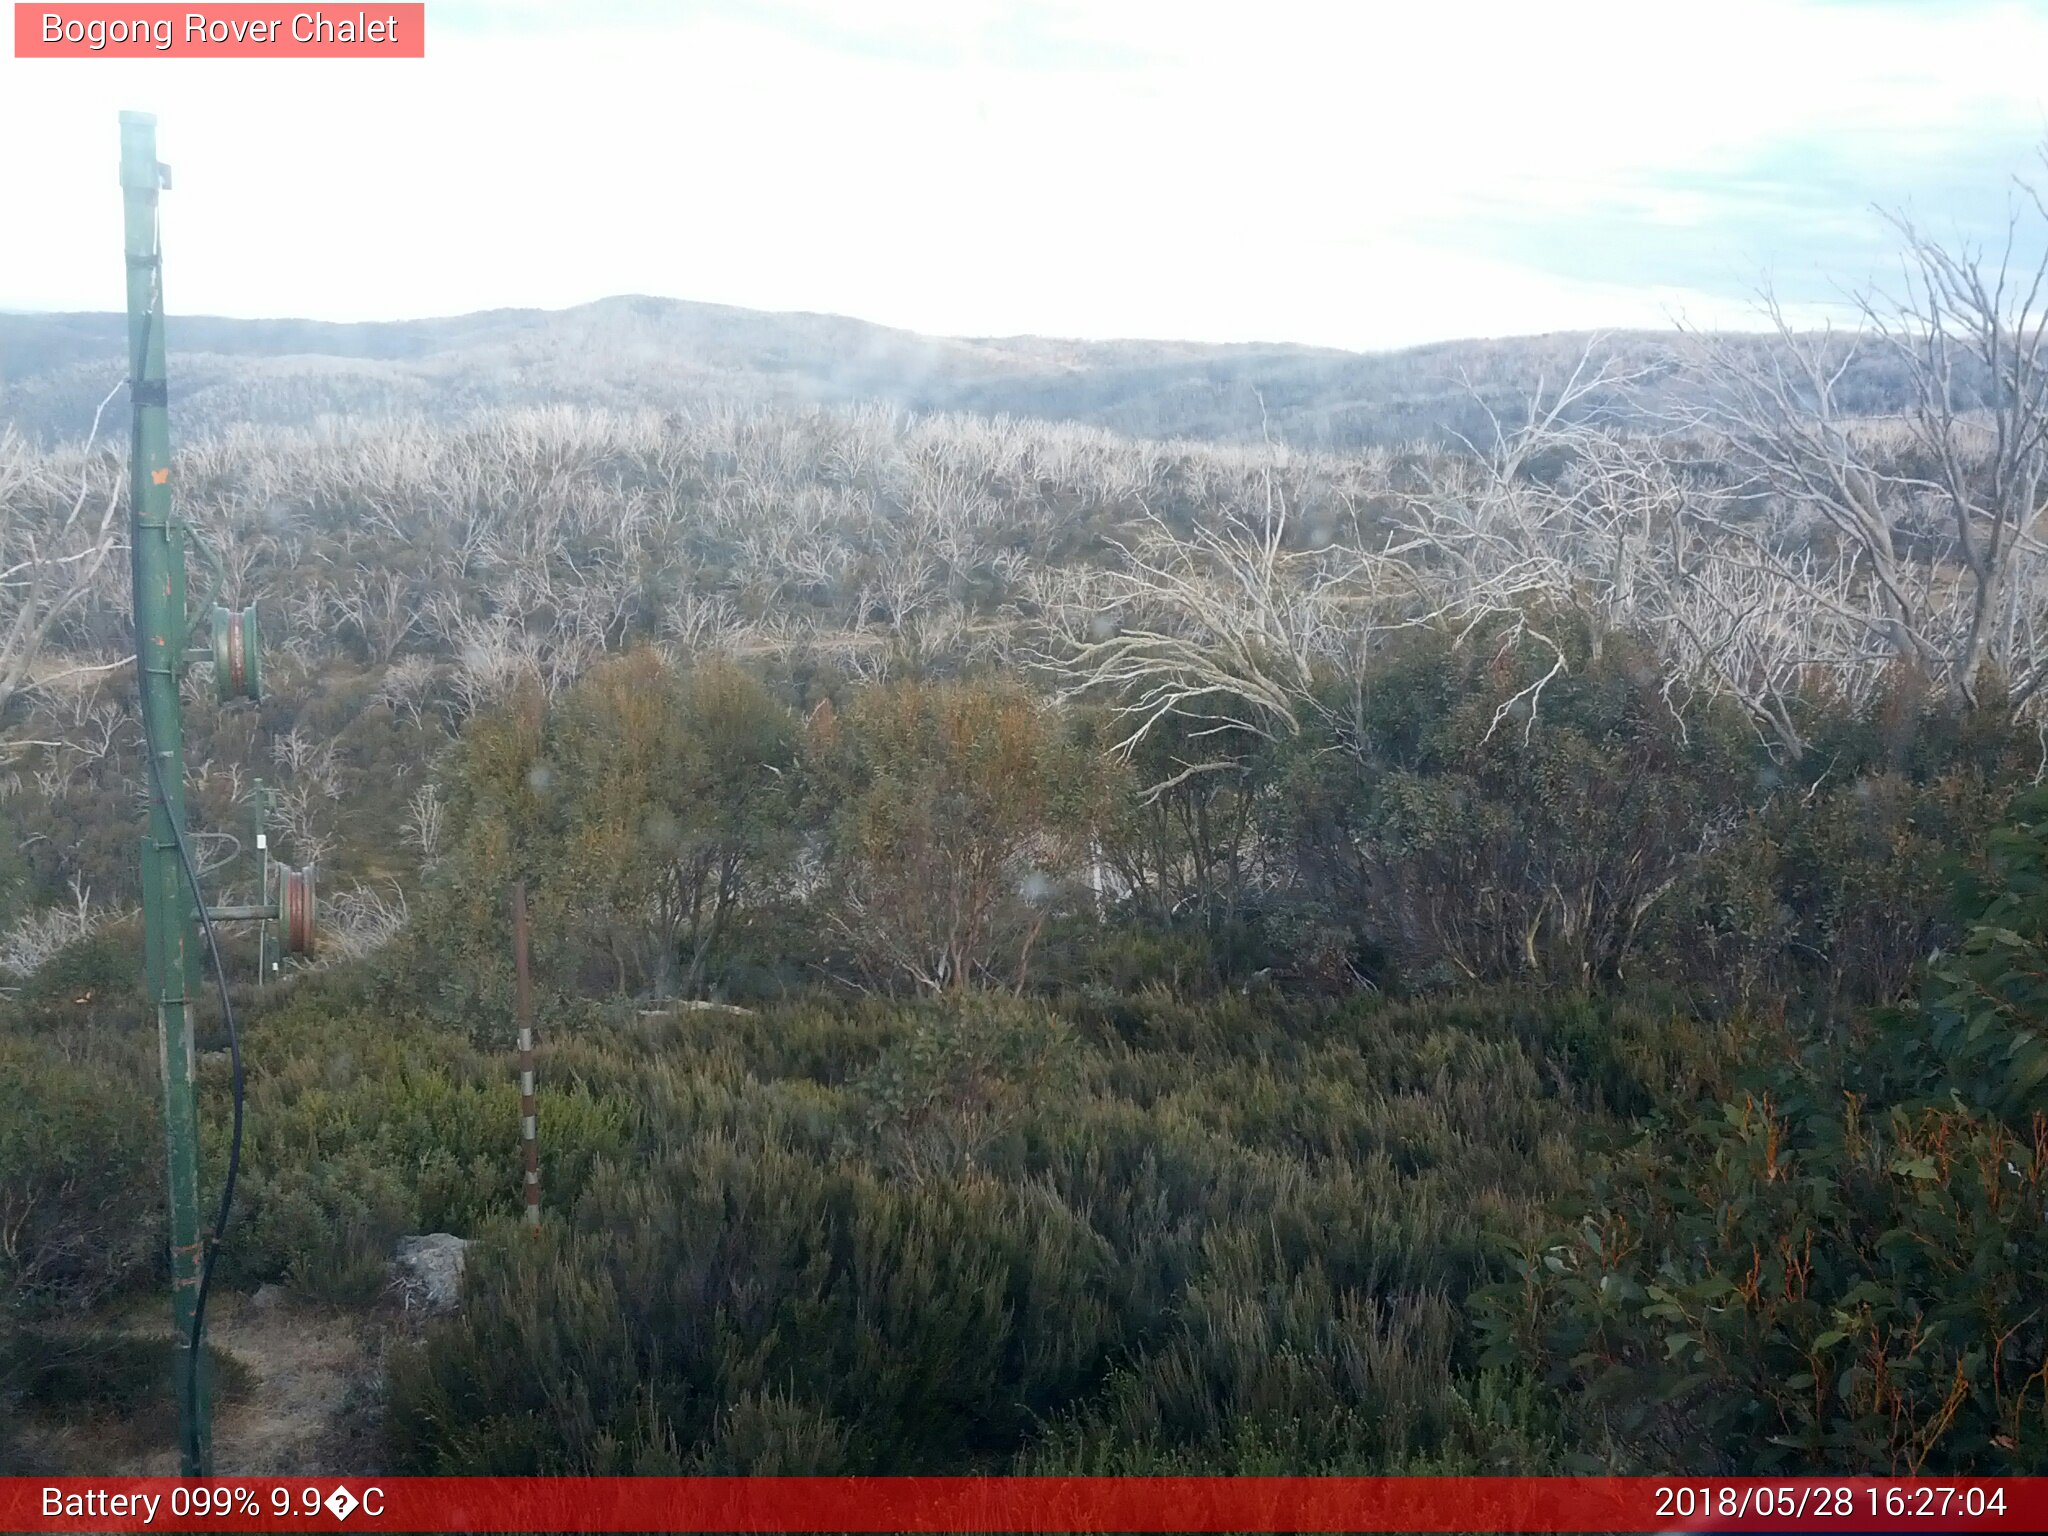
(269, 1298)
(426, 1271)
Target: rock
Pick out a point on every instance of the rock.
(269, 1298)
(427, 1271)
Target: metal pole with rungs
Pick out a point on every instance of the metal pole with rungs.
(529, 1130)
(171, 948)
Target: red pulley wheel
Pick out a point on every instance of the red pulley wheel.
(299, 911)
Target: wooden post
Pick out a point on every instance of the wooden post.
(528, 1128)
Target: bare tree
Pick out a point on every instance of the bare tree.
(380, 607)
(426, 824)
(359, 921)
(1550, 517)
(1939, 508)
(406, 685)
(302, 824)
(1233, 629)
(48, 563)
(1224, 627)
(37, 937)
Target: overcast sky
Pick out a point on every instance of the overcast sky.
(1346, 173)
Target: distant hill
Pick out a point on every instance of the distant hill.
(669, 353)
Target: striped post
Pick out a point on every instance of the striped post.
(528, 1129)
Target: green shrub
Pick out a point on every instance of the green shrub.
(1827, 1292)
(964, 1077)
(80, 1179)
(1463, 828)
(932, 1322)
(1014, 1240)
(364, 1126)
(1838, 1267)
(1984, 1011)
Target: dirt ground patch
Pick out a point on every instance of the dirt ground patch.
(309, 1402)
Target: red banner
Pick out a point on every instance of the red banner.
(949, 1504)
(236, 31)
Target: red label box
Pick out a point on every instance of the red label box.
(1846, 1505)
(234, 31)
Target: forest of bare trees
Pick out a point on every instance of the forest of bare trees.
(1770, 547)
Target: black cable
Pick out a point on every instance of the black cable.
(220, 975)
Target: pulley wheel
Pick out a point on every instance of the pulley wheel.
(297, 910)
(237, 665)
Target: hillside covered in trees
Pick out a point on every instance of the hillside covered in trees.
(628, 354)
(1069, 951)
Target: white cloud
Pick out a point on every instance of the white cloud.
(1349, 175)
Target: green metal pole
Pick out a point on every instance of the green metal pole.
(171, 944)
(262, 799)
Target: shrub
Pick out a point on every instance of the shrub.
(1837, 1268)
(931, 1322)
(1829, 1290)
(962, 1078)
(80, 1179)
(1461, 840)
(960, 818)
(1167, 1233)
(364, 1126)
